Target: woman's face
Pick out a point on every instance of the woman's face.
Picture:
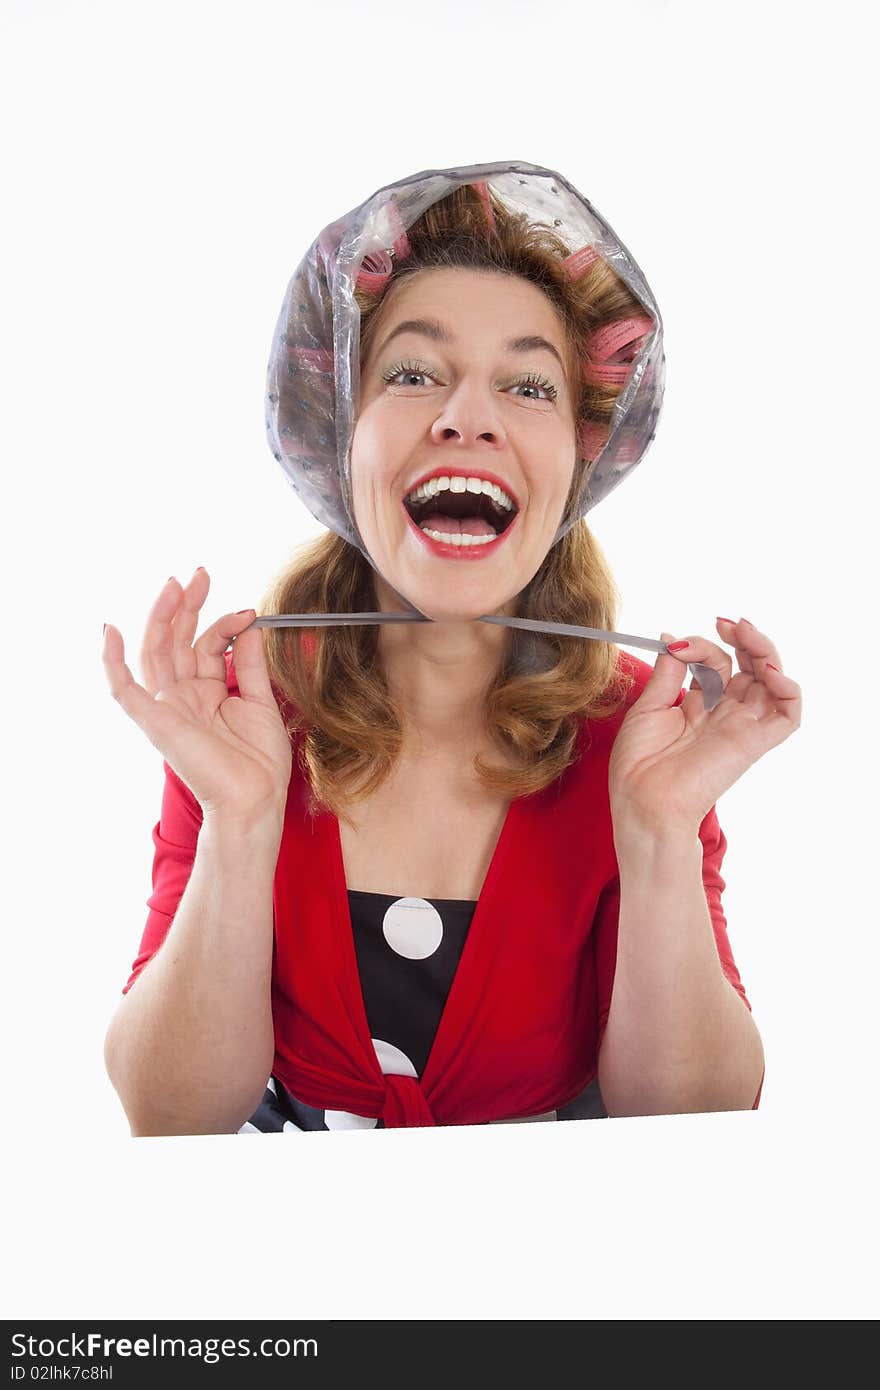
(476, 411)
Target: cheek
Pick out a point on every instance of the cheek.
(372, 452)
(363, 460)
(566, 465)
(371, 483)
(554, 476)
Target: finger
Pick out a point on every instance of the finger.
(157, 718)
(701, 650)
(740, 684)
(249, 661)
(692, 702)
(137, 702)
(753, 648)
(183, 627)
(209, 653)
(157, 661)
(785, 700)
(769, 716)
(693, 705)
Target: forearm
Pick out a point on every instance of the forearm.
(192, 1043)
(678, 1037)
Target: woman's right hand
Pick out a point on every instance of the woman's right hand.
(233, 753)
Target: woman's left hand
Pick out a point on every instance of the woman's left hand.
(670, 763)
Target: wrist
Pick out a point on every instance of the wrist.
(259, 825)
(640, 845)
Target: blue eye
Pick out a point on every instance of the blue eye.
(540, 382)
(405, 368)
(418, 369)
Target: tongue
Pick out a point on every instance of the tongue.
(466, 525)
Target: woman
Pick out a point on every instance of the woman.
(451, 872)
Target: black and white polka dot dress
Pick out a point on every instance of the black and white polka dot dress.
(407, 952)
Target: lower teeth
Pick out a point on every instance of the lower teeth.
(457, 538)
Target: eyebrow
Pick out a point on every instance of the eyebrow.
(430, 328)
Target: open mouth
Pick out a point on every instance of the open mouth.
(461, 511)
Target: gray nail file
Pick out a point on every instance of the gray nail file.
(706, 677)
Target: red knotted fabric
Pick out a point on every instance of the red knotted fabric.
(405, 1103)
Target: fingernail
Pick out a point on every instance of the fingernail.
(104, 629)
(772, 667)
(242, 610)
(725, 620)
(745, 620)
(676, 646)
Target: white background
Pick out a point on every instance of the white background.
(167, 167)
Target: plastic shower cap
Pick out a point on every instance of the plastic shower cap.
(313, 377)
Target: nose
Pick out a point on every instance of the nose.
(469, 417)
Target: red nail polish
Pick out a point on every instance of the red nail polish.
(676, 646)
(719, 619)
(773, 668)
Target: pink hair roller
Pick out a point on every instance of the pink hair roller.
(483, 191)
(579, 262)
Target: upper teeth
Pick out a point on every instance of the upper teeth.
(457, 483)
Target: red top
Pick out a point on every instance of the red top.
(520, 1031)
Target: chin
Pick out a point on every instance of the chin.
(449, 613)
(449, 607)
(464, 592)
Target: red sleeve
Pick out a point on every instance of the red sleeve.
(605, 924)
(175, 836)
(714, 848)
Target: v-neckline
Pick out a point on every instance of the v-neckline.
(474, 941)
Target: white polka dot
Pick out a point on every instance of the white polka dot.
(392, 1061)
(342, 1119)
(248, 1128)
(270, 1086)
(413, 928)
